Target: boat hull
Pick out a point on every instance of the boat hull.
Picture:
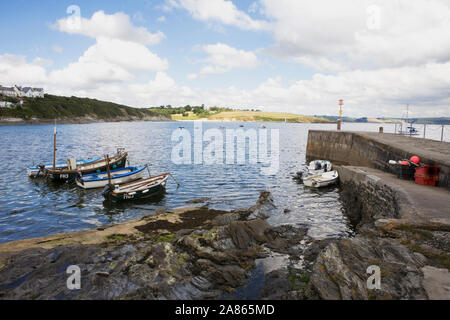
(145, 194)
(70, 175)
(102, 182)
(322, 180)
(35, 171)
(142, 189)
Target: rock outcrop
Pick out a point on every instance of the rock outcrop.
(195, 253)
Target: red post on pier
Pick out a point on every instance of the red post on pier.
(341, 103)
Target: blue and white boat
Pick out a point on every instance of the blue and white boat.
(39, 170)
(118, 176)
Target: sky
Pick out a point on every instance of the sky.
(273, 55)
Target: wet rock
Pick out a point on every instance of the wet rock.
(340, 271)
(436, 283)
(225, 219)
(316, 247)
(264, 207)
(276, 285)
(160, 211)
(285, 238)
(247, 233)
(199, 200)
(193, 254)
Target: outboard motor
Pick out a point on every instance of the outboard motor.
(41, 169)
(107, 190)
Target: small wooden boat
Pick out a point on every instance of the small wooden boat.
(115, 162)
(142, 189)
(118, 176)
(39, 170)
(324, 179)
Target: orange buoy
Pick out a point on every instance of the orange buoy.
(415, 159)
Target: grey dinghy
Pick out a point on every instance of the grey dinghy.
(322, 179)
(118, 176)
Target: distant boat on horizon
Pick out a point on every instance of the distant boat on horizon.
(410, 130)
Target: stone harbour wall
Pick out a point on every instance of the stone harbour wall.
(374, 150)
(373, 199)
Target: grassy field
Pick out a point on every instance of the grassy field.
(251, 116)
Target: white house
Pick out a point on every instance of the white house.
(4, 104)
(9, 92)
(17, 91)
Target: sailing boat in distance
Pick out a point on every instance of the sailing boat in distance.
(410, 130)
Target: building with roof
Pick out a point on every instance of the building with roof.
(20, 92)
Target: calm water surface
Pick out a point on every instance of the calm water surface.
(35, 207)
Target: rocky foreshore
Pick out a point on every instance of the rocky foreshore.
(201, 253)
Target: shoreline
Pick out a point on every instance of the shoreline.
(21, 122)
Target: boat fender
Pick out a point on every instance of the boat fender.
(415, 159)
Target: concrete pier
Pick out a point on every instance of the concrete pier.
(374, 150)
(394, 219)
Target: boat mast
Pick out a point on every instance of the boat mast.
(108, 170)
(407, 113)
(54, 148)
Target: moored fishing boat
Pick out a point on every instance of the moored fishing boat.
(141, 189)
(320, 180)
(118, 176)
(69, 173)
(39, 170)
(314, 168)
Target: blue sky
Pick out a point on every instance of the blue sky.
(183, 35)
(283, 55)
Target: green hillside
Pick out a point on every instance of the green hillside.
(57, 107)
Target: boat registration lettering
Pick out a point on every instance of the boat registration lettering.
(128, 196)
(64, 176)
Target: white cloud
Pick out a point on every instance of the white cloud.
(192, 76)
(115, 26)
(219, 11)
(16, 70)
(42, 62)
(129, 55)
(222, 58)
(373, 93)
(408, 33)
(109, 60)
(161, 19)
(86, 74)
(376, 72)
(118, 55)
